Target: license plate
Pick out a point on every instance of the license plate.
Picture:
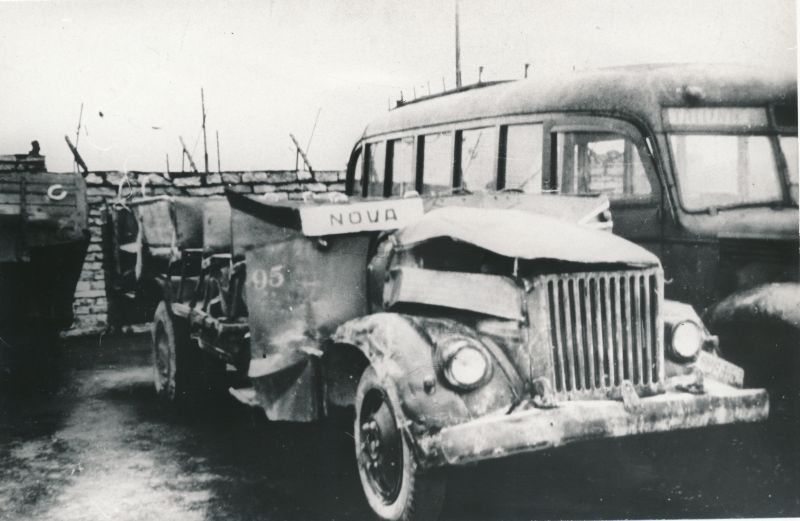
(716, 368)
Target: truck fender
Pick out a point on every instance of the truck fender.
(402, 357)
(776, 304)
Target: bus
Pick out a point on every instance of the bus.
(699, 163)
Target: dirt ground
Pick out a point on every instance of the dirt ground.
(93, 444)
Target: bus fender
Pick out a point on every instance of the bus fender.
(776, 304)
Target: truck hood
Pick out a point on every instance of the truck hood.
(523, 235)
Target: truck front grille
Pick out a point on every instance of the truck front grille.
(604, 329)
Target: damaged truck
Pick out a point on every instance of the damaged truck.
(699, 162)
(455, 328)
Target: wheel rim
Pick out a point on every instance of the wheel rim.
(381, 446)
(161, 361)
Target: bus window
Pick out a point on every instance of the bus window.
(376, 158)
(789, 147)
(403, 174)
(477, 159)
(599, 163)
(437, 169)
(718, 170)
(523, 158)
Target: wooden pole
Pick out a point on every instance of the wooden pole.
(205, 144)
(77, 156)
(188, 155)
(302, 154)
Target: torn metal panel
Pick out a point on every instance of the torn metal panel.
(487, 294)
(291, 393)
(524, 235)
(298, 292)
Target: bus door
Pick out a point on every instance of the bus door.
(605, 156)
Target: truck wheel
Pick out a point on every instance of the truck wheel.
(175, 374)
(394, 486)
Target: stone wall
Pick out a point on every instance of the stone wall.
(91, 304)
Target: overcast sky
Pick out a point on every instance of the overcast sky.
(269, 67)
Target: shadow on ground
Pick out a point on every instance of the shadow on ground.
(98, 446)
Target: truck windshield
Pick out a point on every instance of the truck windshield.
(724, 170)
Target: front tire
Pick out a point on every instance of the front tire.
(395, 488)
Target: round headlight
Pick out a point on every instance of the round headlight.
(687, 340)
(465, 365)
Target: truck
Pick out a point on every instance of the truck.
(454, 329)
(44, 236)
(699, 162)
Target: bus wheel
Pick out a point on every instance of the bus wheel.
(394, 486)
(174, 373)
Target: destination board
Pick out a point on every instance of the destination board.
(334, 219)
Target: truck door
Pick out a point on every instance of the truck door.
(605, 156)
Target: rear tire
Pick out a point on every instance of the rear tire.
(177, 370)
(395, 488)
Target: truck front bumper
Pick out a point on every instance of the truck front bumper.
(535, 429)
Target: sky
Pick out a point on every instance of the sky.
(273, 68)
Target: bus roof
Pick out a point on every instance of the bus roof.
(636, 91)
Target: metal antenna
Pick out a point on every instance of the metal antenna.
(78, 132)
(167, 171)
(526, 69)
(205, 144)
(313, 128)
(458, 52)
(480, 73)
(219, 169)
(78, 135)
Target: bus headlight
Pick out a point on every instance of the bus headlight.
(686, 340)
(464, 363)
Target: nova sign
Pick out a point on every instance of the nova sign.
(360, 217)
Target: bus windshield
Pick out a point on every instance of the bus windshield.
(725, 170)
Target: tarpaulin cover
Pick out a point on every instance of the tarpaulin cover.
(524, 235)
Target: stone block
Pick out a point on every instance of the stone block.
(90, 293)
(281, 177)
(314, 187)
(326, 176)
(213, 179)
(207, 190)
(242, 189)
(231, 178)
(263, 189)
(254, 177)
(188, 181)
(115, 177)
(336, 187)
(94, 179)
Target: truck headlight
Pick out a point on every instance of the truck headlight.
(686, 340)
(464, 363)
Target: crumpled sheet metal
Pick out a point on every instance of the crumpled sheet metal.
(534, 429)
(524, 235)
